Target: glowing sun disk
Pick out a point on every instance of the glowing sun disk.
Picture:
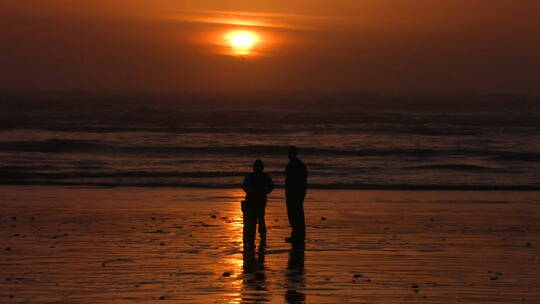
(242, 42)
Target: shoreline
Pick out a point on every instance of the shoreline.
(367, 187)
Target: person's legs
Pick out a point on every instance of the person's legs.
(295, 212)
(250, 225)
(261, 222)
(300, 223)
(291, 213)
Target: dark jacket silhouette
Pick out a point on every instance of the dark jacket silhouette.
(295, 192)
(257, 186)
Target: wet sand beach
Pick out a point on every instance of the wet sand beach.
(181, 245)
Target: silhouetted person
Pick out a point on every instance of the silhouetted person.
(295, 192)
(257, 186)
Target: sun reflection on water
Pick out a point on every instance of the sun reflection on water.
(235, 218)
(247, 268)
(233, 261)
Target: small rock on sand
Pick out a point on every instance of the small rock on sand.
(414, 285)
(357, 275)
(213, 216)
(323, 218)
(105, 263)
(162, 298)
(226, 274)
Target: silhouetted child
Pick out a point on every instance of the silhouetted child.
(257, 186)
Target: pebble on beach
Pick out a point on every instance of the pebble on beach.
(119, 260)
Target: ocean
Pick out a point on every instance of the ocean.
(152, 142)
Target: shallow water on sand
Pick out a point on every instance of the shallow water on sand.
(134, 245)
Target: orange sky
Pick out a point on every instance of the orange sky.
(405, 46)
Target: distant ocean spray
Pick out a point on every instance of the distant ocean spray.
(166, 145)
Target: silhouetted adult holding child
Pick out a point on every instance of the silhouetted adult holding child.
(295, 192)
(257, 186)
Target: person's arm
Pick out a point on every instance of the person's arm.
(304, 175)
(269, 185)
(245, 184)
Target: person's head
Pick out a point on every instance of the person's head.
(258, 166)
(293, 152)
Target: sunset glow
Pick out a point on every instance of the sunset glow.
(242, 42)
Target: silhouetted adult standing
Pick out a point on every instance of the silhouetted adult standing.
(295, 192)
(257, 186)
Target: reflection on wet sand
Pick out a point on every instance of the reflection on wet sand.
(133, 246)
(294, 276)
(254, 285)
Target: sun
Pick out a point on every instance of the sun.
(242, 42)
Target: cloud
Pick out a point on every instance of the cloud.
(169, 45)
(251, 19)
